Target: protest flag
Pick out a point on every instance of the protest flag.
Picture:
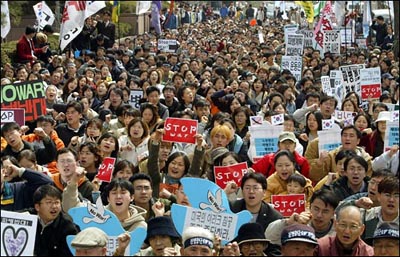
(115, 11)
(6, 26)
(44, 15)
(155, 16)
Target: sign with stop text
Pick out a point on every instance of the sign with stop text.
(370, 83)
(224, 174)
(13, 115)
(332, 41)
(289, 204)
(106, 168)
(180, 130)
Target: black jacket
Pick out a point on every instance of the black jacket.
(52, 239)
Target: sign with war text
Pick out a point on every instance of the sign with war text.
(351, 78)
(347, 36)
(180, 130)
(225, 174)
(332, 41)
(326, 86)
(294, 45)
(28, 95)
(391, 134)
(370, 83)
(289, 204)
(309, 39)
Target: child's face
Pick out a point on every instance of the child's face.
(295, 188)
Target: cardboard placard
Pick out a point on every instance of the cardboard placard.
(224, 174)
(13, 114)
(180, 130)
(289, 204)
(106, 169)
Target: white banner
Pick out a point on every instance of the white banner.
(294, 64)
(44, 15)
(6, 26)
(74, 15)
(351, 78)
(294, 45)
(263, 140)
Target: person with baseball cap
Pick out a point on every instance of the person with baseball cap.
(298, 240)
(386, 239)
(251, 240)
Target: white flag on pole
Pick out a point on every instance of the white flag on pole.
(142, 6)
(44, 15)
(5, 28)
(74, 15)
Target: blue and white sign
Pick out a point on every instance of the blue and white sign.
(209, 209)
(97, 216)
(391, 134)
(329, 139)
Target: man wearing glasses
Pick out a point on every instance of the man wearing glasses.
(254, 186)
(347, 241)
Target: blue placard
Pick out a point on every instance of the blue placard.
(265, 145)
(97, 216)
(329, 147)
(209, 209)
(393, 136)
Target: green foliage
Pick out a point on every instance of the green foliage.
(125, 29)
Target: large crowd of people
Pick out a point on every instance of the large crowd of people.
(221, 75)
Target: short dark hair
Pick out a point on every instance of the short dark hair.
(389, 185)
(76, 105)
(297, 178)
(119, 183)
(358, 132)
(141, 176)
(257, 177)
(9, 127)
(67, 150)
(46, 190)
(284, 153)
(152, 89)
(327, 196)
(358, 159)
(344, 154)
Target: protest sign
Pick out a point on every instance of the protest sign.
(134, 98)
(294, 45)
(326, 86)
(96, 215)
(167, 45)
(290, 29)
(224, 174)
(394, 115)
(391, 135)
(28, 95)
(329, 139)
(293, 64)
(263, 140)
(289, 204)
(343, 115)
(18, 232)
(13, 115)
(332, 41)
(106, 169)
(309, 39)
(351, 78)
(392, 107)
(180, 130)
(336, 83)
(347, 36)
(209, 209)
(370, 82)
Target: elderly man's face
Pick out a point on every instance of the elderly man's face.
(298, 249)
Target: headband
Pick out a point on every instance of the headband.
(198, 241)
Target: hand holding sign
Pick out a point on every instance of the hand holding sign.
(180, 130)
(106, 169)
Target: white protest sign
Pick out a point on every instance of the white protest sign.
(290, 29)
(135, 97)
(391, 135)
(336, 84)
(18, 232)
(294, 45)
(294, 64)
(309, 39)
(343, 115)
(392, 107)
(332, 41)
(167, 45)
(326, 85)
(263, 140)
(328, 140)
(347, 36)
(370, 83)
(260, 37)
(351, 78)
